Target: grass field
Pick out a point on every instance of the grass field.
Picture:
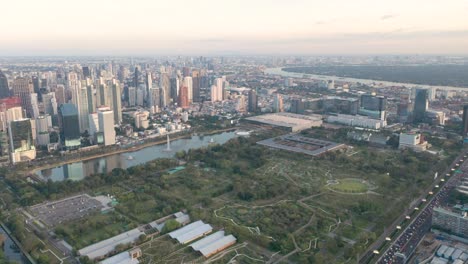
(349, 185)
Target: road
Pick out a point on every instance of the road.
(419, 222)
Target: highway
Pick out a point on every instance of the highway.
(400, 240)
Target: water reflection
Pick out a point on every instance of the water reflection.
(79, 170)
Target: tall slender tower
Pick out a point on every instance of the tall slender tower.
(4, 90)
(117, 102)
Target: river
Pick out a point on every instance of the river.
(11, 251)
(374, 83)
(78, 170)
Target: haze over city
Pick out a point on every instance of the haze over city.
(205, 27)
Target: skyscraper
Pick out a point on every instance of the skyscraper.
(22, 88)
(4, 90)
(420, 105)
(21, 140)
(106, 125)
(154, 97)
(188, 82)
(183, 97)
(278, 103)
(131, 96)
(69, 126)
(253, 101)
(465, 121)
(136, 77)
(83, 108)
(297, 106)
(196, 86)
(165, 85)
(117, 102)
(174, 91)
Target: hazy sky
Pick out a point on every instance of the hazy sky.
(123, 27)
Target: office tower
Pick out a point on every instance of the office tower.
(240, 107)
(154, 97)
(188, 82)
(196, 86)
(183, 97)
(4, 90)
(219, 82)
(131, 96)
(373, 106)
(117, 102)
(297, 106)
(43, 124)
(148, 82)
(34, 105)
(10, 109)
(465, 121)
(165, 85)
(22, 88)
(93, 121)
(106, 125)
(69, 126)
(50, 103)
(186, 71)
(136, 77)
(420, 105)
(60, 94)
(91, 98)
(21, 140)
(37, 87)
(331, 84)
(86, 72)
(102, 94)
(140, 96)
(174, 91)
(278, 103)
(216, 93)
(253, 101)
(83, 108)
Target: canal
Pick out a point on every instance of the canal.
(78, 170)
(11, 251)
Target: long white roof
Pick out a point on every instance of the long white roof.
(185, 229)
(122, 258)
(106, 246)
(217, 245)
(207, 240)
(194, 233)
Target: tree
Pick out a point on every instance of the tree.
(170, 225)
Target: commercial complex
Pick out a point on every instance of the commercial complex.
(357, 121)
(290, 121)
(69, 126)
(21, 140)
(453, 222)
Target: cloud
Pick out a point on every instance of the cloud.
(388, 16)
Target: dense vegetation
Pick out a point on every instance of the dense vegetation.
(276, 200)
(447, 75)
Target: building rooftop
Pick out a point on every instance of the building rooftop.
(122, 258)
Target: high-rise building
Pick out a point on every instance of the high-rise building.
(43, 124)
(106, 125)
(60, 94)
(165, 85)
(34, 105)
(4, 90)
(183, 97)
(93, 120)
(420, 105)
(21, 140)
(117, 102)
(196, 86)
(186, 71)
(86, 72)
(253, 101)
(23, 88)
(136, 77)
(140, 96)
(91, 98)
(149, 82)
(297, 106)
(69, 126)
(83, 108)
(50, 103)
(215, 94)
(174, 91)
(131, 96)
(154, 97)
(278, 103)
(465, 122)
(219, 82)
(188, 82)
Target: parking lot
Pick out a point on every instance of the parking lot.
(57, 212)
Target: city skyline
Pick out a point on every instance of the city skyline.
(238, 27)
